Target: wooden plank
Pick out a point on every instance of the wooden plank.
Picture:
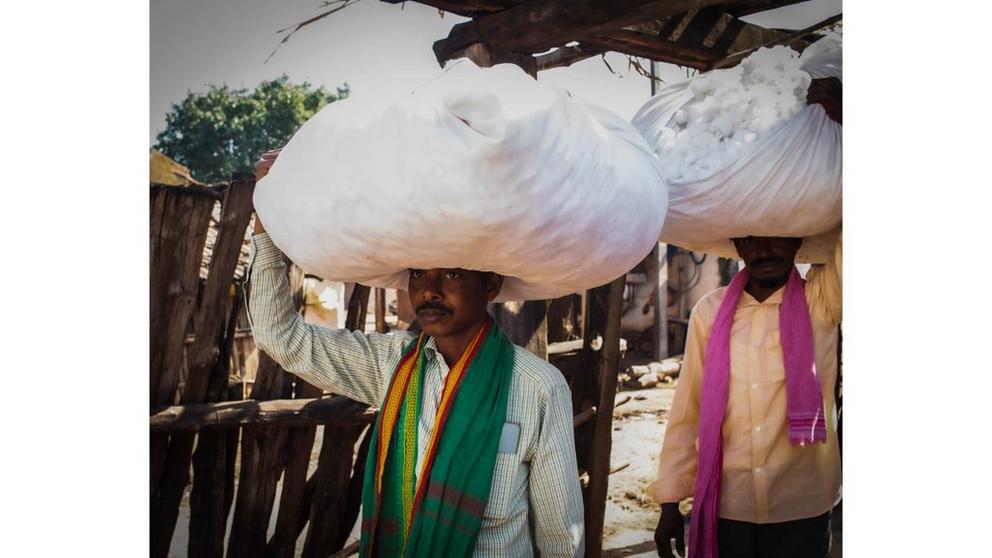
(177, 239)
(332, 479)
(380, 311)
(213, 463)
(727, 37)
(566, 56)
(210, 322)
(179, 220)
(599, 471)
(525, 323)
(583, 417)
(353, 501)
(565, 346)
(466, 8)
(700, 27)
(358, 305)
(485, 55)
(563, 319)
(672, 24)
(328, 489)
(541, 24)
(660, 260)
(647, 46)
(262, 454)
(734, 59)
(293, 496)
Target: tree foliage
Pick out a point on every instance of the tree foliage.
(225, 130)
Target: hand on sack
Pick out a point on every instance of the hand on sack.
(262, 167)
(671, 525)
(827, 93)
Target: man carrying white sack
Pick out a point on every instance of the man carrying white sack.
(751, 436)
(481, 185)
(506, 456)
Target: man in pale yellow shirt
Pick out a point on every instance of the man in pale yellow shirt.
(775, 497)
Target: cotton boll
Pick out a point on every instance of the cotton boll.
(729, 110)
(724, 123)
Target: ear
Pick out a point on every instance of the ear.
(494, 282)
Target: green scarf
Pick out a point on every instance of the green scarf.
(441, 515)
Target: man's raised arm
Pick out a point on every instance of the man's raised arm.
(352, 364)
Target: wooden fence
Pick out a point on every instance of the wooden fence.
(238, 450)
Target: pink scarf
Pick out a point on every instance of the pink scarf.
(807, 423)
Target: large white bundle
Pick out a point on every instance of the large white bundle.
(743, 154)
(481, 169)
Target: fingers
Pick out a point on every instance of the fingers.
(663, 541)
(680, 542)
(265, 162)
(664, 549)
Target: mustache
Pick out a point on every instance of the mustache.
(432, 305)
(771, 260)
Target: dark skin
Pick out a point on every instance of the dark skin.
(450, 302)
(451, 305)
(770, 261)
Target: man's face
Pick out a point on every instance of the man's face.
(769, 259)
(451, 300)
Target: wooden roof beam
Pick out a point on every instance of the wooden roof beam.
(734, 59)
(566, 56)
(646, 46)
(465, 8)
(542, 24)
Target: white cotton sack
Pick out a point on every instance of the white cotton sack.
(743, 154)
(482, 169)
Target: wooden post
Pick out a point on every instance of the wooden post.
(380, 311)
(609, 298)
(179, 220)
(292, 508)
(332, 481)
(213, 463)
(526, 324)
(659, 256)
(263, 454)
(210, 322)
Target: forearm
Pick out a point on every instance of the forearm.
(336, 360)
(678, 457)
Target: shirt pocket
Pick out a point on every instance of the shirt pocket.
(504, 487)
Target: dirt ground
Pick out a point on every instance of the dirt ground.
(631, 515)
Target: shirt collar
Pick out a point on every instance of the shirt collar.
(748, 300)
(431, 352)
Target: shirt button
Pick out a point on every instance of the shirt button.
(758, 470)
(757, 429)
(754, 386)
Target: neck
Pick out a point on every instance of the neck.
(453, 346)
(761, 292)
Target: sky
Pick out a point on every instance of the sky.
(369, 45)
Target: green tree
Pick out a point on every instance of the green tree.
(225, 130)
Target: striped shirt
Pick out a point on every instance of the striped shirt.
(535, 505)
